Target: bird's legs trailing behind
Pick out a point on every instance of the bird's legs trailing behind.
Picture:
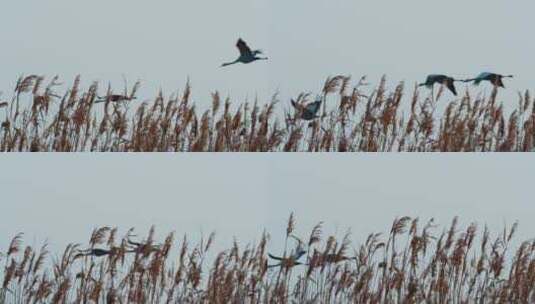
(230, 63)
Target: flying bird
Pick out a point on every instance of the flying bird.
(287, 262)
(246, 54)
(97, 252)
(309, 111)
(114, 98)
(293, 259)
(142, 248)
(440, 79)
(495, 79)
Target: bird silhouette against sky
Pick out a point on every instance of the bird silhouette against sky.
(309, 111)
(246, 54)
(431, 80)
(495, 79)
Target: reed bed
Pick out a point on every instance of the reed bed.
(412, 263)
(38, 117)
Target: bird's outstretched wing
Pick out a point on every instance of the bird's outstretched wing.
(481, 77)
(451, 87)
(243, 47)
(431, 79)
(133, 243)
(274, 257)
(314, 107)
(297, 239)
(294, 104)
(499, 82)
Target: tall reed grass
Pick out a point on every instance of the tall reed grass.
(38, 117)
(413, 262)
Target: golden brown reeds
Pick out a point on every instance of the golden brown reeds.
(412, 264)
(38, 118)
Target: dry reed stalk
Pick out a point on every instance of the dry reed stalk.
(38, 118)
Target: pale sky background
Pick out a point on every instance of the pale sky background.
(164, 42)
(62, 197)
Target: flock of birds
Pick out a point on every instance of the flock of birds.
(131, 247)
(493, 78)
(310, 111)
(285, 261)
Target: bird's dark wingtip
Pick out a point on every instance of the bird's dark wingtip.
(274, 257)
(293, 103)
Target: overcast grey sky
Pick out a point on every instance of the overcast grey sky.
(164, 42)
(63, 196)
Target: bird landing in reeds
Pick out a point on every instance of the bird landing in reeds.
(293, 259)
(142, 248)
(309, 111)
(246, 54)
(447, 81)
(495, 79)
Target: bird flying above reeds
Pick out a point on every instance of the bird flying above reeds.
(246, 54)
(432, 79)
(495, 79)
(309, 111)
